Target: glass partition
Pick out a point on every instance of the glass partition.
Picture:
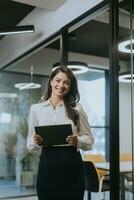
(18, 167)
(85, 45)
(126, 100)
(88, 84)
(88, 42)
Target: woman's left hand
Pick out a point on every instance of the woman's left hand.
(72, 139)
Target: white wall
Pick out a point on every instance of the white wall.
(125, 117)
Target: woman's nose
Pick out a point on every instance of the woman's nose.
(61, 84)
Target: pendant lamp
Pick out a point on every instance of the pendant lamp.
(28, 86)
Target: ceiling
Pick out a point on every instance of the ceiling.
(92, 38)
(45, 4)
(11, 13)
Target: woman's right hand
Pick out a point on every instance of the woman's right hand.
(38, 139)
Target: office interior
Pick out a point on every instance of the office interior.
(97, 34)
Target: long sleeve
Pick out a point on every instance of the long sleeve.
(85, 138)
(32, 122)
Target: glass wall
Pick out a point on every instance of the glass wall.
(85, 46)
(126, 100)
(18, 90)
(88, 84)
(88, 42)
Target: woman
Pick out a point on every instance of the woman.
(60, 171)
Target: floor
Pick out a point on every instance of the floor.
(9, 189)
(34, 198)
(94, 197)
(23, 198)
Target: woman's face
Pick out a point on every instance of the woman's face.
(60, 85)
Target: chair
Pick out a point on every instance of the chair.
(95, 158)
(128, 179)
(127, 157)
(128, 176)
(93, 181)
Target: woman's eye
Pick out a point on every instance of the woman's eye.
(67, 83)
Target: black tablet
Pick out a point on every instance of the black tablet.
(54, 134)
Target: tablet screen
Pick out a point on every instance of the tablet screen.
(54, 134)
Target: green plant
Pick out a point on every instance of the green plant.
(23, 127)
(27, 157)
(26, 161)
(10, 144)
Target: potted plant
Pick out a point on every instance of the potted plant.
(10, 150)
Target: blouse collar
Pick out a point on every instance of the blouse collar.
(48, 102)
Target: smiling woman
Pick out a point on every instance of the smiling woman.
(60, 85)
(61, 163)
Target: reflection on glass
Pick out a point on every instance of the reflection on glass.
(17, 166)
(92, 87)
(126, 37)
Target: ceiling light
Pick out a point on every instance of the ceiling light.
(123, 46)
(24, 86)
(76, 67)
(31, 85)
(126, 77)
(16, 29)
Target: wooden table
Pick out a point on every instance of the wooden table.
(125, 166)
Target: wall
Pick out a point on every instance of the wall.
(125, 117)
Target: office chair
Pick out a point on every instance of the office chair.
(93, 181)
(127, 157)
(128, 184)
(96, 158)
(128, 176)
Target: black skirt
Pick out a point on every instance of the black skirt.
(60, 174)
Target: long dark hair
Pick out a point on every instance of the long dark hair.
(71, 98)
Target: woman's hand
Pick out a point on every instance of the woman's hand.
(38, 139)
(72, 139)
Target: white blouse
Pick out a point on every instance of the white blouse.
(44, 114)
